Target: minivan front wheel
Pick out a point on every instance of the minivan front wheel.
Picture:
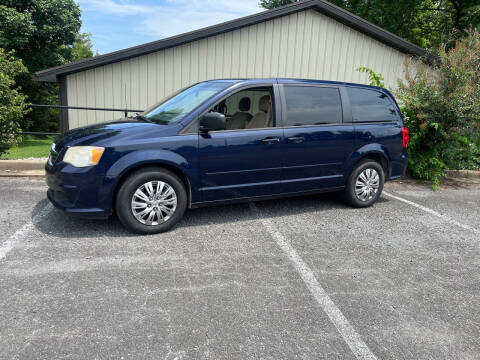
(151, 201)
(365, 184)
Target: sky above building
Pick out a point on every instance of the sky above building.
(118, 24)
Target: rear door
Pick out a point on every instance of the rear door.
(317, 141)
(243, 162)
(378, 126)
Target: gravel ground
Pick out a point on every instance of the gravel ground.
(306, 278)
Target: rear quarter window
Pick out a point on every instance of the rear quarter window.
(371, 106)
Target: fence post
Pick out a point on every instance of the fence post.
(63, 121)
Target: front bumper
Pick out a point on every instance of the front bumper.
(78, 191)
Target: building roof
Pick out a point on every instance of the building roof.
(55, 73)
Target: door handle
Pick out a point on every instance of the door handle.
(296, 139)
(271, 140)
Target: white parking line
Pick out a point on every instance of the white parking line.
(15, 239)
(346, 330)
(433, 212)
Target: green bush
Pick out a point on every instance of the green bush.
(375, 79)
(12, 102)
(441, 108)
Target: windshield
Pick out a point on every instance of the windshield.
(176, 107)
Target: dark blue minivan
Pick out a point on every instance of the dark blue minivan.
(224, 141)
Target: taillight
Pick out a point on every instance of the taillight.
(405, 137)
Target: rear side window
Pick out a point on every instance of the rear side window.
(309, 105)
(370, 105)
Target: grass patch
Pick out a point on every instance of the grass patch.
(31, 146)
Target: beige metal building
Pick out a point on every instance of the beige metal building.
(311, 39)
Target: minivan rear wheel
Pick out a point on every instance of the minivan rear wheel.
(365, 184)
(151, 201)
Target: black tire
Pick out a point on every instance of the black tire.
(350, 195)
(136, 180)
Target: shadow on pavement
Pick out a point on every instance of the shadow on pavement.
(56, 223)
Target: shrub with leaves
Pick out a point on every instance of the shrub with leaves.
(441, 107)
(12, 102)
(375, 79)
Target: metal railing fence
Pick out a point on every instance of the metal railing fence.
(65, 107)
(125, 111)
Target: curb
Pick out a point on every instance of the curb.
(22, 168)
(36, 169)
(40, 174)
(462, 174)
(22, 165)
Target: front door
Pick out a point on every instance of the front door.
(317, 142)
(245, 159)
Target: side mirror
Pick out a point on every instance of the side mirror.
(212, 121)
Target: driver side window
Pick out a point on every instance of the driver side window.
(248, 109)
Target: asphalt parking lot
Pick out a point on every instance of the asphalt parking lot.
(306, 278)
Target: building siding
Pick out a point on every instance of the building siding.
(306, 44)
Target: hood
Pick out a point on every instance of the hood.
(107, 132)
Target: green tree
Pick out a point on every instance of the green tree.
(82, 47)
(15, 28)
(42, 34)
(441, 108)
(272, 4)
(444, 21)
(12, 101)
(426, 23)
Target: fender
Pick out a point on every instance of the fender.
(145, 157)
(368, 149)
(149, 156)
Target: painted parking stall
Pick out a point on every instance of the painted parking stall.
(301, 277)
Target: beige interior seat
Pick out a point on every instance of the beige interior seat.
(240, 119)
(263, 118)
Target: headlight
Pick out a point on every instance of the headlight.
(82, 156)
